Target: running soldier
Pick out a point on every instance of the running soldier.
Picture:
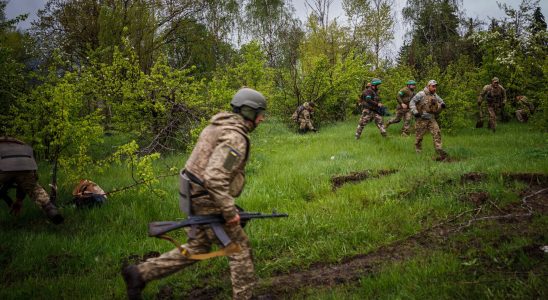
(402, 110)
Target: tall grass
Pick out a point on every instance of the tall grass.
(287, 172)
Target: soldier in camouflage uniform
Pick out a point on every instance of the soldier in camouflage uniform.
(216, 168)
(524, 109)
(425, 106)
(402, 110)
(371, 104)
(17, 166)
(304, 117)
(495, 95)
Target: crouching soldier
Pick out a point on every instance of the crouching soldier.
(303, 117)
(425, 106)
(17, 166)
(216, 176)
(524, 109)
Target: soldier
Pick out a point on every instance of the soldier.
(524, 109)
(372, 105)
(402, 110)
(496, 99)
(216, 172)
(425, 106)
(17, 166)
(303, 117)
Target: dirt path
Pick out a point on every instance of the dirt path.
(519, 214)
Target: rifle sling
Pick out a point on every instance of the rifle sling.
(225, 251)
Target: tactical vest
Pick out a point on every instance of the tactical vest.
(374, 97)
(198, 160)
(429, 104)
(494, 95)
(16, 156)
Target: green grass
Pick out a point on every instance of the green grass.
(290, 173)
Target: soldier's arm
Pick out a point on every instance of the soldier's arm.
(413, 103)
(503, 95)
(399, 96)
(227, 156)
(440, 100)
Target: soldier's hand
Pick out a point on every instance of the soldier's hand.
(443, 105)
(417, 115)
(234, 221)
(403, 106)
(380, 104)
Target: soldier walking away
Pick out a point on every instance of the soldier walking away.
(402, 110)
(303, 117)
(371, 108)
(495, 95)
(216, 176)
(524, 109)
(18, 167)
(425, 106)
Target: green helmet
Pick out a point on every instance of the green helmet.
(376, 81)
(411, 82)
(249, 97)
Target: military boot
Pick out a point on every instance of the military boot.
(134, 282)
(53, 214)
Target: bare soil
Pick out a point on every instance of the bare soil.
(338, 181)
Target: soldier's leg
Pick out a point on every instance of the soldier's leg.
(27, 183)
(364, 119)
(406, 123)
(396, 119)
(436, 137)
(519, 115)
(380, 124)
(420, 130)
(242, 272)
(173, 261)
(492, 117)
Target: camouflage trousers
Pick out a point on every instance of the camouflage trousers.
(305, 125)
(241, 263)
(522, 115)
(367, 116)
(27, 184)
(404, 114)
(492, 110)
(422, 126)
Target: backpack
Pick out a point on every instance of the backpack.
(87, 194)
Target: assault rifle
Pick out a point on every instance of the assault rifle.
(157, 229)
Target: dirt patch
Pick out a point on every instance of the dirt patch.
(338, 181)
(134, 259)
(473, 177)
(476, 198)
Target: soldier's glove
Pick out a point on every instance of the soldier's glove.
(443, 105)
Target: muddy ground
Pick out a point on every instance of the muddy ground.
(517, 216)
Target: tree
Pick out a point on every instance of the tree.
(373, 24)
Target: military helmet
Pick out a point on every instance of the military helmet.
(376, 81)
(495, 79)
(411, 82)
(249, 97)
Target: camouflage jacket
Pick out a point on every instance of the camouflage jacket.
(218, 161)
(493, 95)
(404, 96)
(426, 103)
(370, 99)
(16, 155)
(522, 103)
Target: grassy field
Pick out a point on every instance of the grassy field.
(327, 226)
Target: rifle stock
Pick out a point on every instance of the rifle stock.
(156, 229)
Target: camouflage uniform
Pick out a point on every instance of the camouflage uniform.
(17, 166)
(218, 161)
(427, 105)
(524, 109)
(370, 100)
(404, 96)
(496, 99)
(303, 117)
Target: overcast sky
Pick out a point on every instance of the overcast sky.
(482, 9)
